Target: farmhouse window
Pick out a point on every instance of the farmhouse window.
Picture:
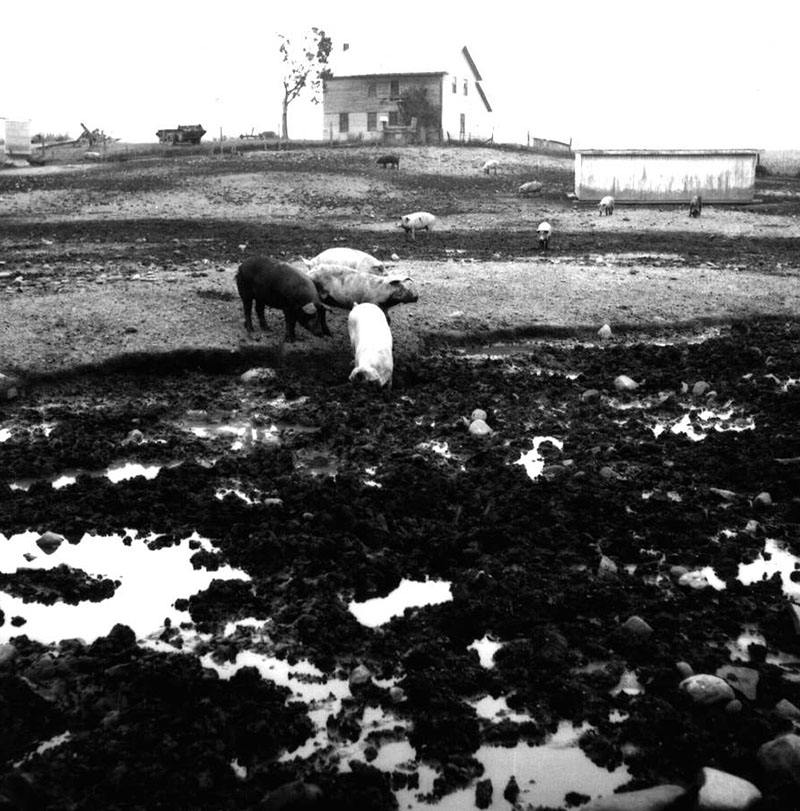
(455, 85)
(394, 118)
(466, 86)
(372, 122)
(344, 122)
(394, 89)
(372, 90)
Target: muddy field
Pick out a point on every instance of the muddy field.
(204, 631)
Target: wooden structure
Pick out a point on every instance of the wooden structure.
(361, 102)
(184, 134)
(666, 175)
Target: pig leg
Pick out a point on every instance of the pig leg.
(290, 323)
(260, 313)
(247, 306)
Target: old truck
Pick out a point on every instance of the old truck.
(184, 134)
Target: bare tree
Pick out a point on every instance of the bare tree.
(306, 66)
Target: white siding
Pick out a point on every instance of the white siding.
(666, 176)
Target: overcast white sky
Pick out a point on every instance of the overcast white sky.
(621, 73)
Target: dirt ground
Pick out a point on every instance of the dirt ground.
(118, 313)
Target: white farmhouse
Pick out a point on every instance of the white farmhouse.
(363, 100)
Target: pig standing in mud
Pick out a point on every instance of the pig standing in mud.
(271, 283)
(418, 221)
(371, 340)
(544, 232)
(606, 205)
(695, 206)
(344, 287)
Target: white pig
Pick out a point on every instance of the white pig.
(349, 258)
(606, 205)
(544, 231)
(491, 166)
(418, 221)
(371, 340)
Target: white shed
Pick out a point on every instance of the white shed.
(666, 175)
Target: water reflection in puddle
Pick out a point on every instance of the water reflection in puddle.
(150, 582)
(533, 462)
(409, 594)
(544, 774)
(122, 471)
(486, 649)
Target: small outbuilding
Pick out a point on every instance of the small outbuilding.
(666, 175)
(17, 141)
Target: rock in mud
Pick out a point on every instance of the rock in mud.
(720, 791)
(780, 758)
(625, 383)
(707, 689)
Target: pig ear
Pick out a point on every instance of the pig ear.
(306, 262)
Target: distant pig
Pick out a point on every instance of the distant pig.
(388, 161)
(348, 257)
(531, 187)
(371, 340)
(606, 206)
(271, 283)
(344, 287)
(695, 206)
(491, 166)
(544, 231)
(418, 221)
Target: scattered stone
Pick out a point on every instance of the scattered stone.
(657, 798)
(728, 495)
(785, 709)
(744, 679)
(704, 688)
(478, 414)
(590, 396)
(780, 758)
(397, 694)
(135, 437)
(700, 388)
(762, 500)
(608, 472)
(684, 669)
(733, 706)
(720, 791)
(479, 428)
(625, 383)
(752, 527)
(638, 627)
(49, 542)
(359, 677)
(606, 568)
(395, 257)
(258, 374)
(694, 580)
(605, 332)
(293, 797)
